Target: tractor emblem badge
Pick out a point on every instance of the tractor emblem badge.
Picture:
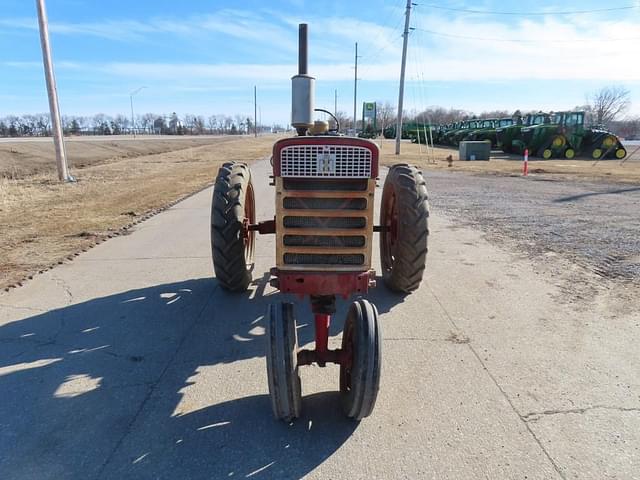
(326, 162)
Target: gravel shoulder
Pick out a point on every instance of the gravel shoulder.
(584, 233)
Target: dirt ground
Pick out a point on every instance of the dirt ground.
(30, 156)
(625, 171)
(43, 222)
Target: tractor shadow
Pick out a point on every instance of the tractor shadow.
(93, 390)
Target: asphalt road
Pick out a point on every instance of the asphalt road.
(131, 362)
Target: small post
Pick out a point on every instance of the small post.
(525, 166)
(54, 109)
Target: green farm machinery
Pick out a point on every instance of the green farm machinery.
(565, 136)
(600, 143)
(488, 130)
(509, 138)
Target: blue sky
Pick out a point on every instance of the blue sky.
(204, 57)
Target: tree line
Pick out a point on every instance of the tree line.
(34, 125)
(606, 107)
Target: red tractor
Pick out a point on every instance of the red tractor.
(324, 227)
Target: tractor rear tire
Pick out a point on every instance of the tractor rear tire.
(232, 248)
(360, 381)
(405, 214)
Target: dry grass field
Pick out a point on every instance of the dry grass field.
(29, 156)
(122, 181)
(43, 222)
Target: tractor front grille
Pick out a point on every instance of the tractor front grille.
(322, 259)
(325, 161)
(324, 224)
(352, 185)
(325, 203)
(324, 241)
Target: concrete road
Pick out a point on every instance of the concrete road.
(131, 362)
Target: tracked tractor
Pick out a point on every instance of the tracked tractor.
(324, 229)
(594, 142)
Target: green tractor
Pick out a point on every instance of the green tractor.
(422, 136)
(455, 136)
(407, 130)
(509, 138)
(600, 143)
(551, 138)
(488, 130)
(564, 136)
(441, 133)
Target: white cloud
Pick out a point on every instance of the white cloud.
(548, 48)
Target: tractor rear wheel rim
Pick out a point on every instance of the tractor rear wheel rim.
(391, 234)
(250, 216)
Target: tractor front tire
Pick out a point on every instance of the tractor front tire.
(232, 247)
(404, 217)
(360, 379)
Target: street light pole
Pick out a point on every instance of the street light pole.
(133, 121)
(255, 111)
(54, 109)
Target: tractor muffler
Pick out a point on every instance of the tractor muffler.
(302, 88)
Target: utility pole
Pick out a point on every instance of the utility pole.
(355, 93)
(54, 109)
(133, 121)
(404, 64)
(255, 111)
(335, 102)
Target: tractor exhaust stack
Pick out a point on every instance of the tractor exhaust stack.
(302, 88)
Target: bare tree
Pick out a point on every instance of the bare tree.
(146, 121)
(198, 124)
(386, 115)
(609, 103)
(344, 119)
(212, 122)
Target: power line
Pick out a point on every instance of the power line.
(529, 14)
(513, 40)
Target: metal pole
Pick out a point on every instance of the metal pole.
(255, 111)
(335, 102)
(133, 121)
(355, 93)
(404, 64)
(54, 109)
